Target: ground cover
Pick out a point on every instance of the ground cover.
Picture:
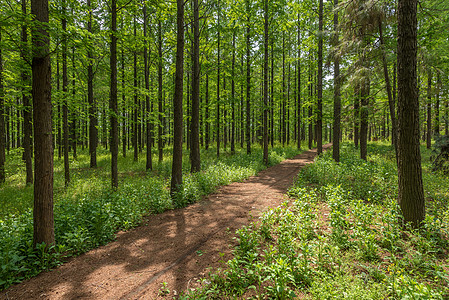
(339, 236)
(88, 213)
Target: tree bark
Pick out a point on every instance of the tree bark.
(149, 161)
(233, 95)
(113, 97)
(43, 151)
(65, 83)
(248, 83)
(136, 104)
(3, 140)
(217, 117)
(337, 96)
(265, 86)
(176, 179)
(356, 115)
(411, 192)
(27, 120)
(194, 129)
(319, 121)
(429, 110)
(298, 104)
(160, 111)
(365, 92)
(93, 120)
(437, 107)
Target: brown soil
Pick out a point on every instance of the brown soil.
(176, 247)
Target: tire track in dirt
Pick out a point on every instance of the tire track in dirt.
(176, 247)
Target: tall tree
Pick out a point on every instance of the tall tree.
(194, 129)
(298, 104)
(411, 191)
(337, 96)
(27, 122)
(2, 121)
(429, 109)
(265, 85)
(113, 107)
(160, 146)
(248, 78)
(136, 100)
(93, 120)
(65, 83)
(149, 161)
(43, 220)
(218, 81)
(176, 179)
(319, 121)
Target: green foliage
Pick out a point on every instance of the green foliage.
(88, 213)
(440, 154)
(329, 242)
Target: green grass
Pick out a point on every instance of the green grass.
(340, 237)
(88, 213)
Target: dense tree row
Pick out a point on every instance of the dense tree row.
(146, 75)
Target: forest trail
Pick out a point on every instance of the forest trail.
(175, 248)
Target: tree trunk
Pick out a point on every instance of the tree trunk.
(217, 117)
(248, 84)
(74, 114)
(160, 111)
(429, 110)
(356, 115)
(43, 150)
(411, 192)
(194, 129)
(93, 121)
(319, 121)
(437, 107)
(124, 113)
(3, 140)
(27, 121)
(391, 100)
(337, 97)
(298, 104)
(136, 104)
(233, 94)
(113, 97)
(65, 121)
(206, 116)
(176, 179)
(265, 86)
(149, 161)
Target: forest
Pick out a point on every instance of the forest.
(114, 111)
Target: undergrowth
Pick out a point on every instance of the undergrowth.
(88, 213)
(339, 236)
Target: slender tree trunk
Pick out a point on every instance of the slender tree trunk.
(233, 94)
(176, 180)
(283, 91)
(74, 114)
(356, 115)
(59, 123)
(43, 150)
(437, 107)
(319, 121)
(337, 97)
(27, 112)
(391, 100)
(93, 121)
(272, 93)
(124, 113)
(160, 110)
(149, 161)
(206, 116)
(429, 110)
(248, 85)
(310, 110)
(113, 96)
(265, 86)
(136, 104)
(65, 121)
(194, 129)
(298, 104)
(411, 192)
(217, 117)
(3, 140)
(242, 109)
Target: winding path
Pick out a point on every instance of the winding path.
(176, 247)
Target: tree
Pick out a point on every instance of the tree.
(2, 121)
(337, 96)
(93, 121)
(411, 192)
(176, 179)
(319, 121)
(43, 150)
(194, 130)
(149, 161)
(65, 83)
(265, 86)
(113, 96)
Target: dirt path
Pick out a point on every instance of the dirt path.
(176, 247)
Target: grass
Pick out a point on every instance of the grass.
(339, 236)
(88, 213)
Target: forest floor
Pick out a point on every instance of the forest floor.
(169, 252)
